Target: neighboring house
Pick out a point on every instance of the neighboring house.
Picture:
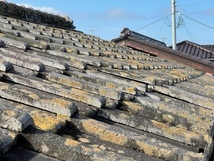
(202, 52)
(188, 53)
(67, 95)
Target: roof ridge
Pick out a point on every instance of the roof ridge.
(35, 16)
(127, 32)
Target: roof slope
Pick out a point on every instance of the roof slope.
(66, 95)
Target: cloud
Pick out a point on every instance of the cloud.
(43, 9)
(208, 12)
(165, 11)
(118, 14)
(111, 14)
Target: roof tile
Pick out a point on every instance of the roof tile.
(7, 140)
(5, 66)
(185, 95)
(15, 43)
(172, 113)
(127, 138)
(15, 120)
(70, 149)
(85, 86)
(156, 127)
(37, 98)
(57, 89)
(42, 119)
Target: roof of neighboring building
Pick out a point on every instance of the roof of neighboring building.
(209, 47)
(137, 43)
(126, 32)
(196, 50)
(67, 95)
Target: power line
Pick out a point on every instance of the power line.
(198, 21)
(194, 4)
(151, 23)
(178, 24)
(185, 26)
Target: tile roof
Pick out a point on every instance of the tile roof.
(67, 95)
(196, 60)
(209, 47)
(196, 50)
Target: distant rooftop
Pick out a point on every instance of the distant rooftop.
(127, 32)
(196, 50)
(209, 47)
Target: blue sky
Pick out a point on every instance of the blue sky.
(106, 19)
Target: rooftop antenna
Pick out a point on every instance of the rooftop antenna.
(91, 29)
(173, 25)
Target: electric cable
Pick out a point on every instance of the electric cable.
(194, 4)
(198, 21)
(178, 25)
(167, 22)
(150, 23)
(187, 30)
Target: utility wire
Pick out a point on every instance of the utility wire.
(179, 23)
(194, 4)
(185, 26)
(198, 21)
(151, 23)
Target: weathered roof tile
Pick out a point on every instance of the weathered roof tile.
(70, 149)
(23, 61)
(23, 154)
(155, 127)
(7, 140)
(5, 65)
(15, 43)
(85, 86)
(15, 120)
(41, 119)
(171, 114)
(57, 89)
(185, 95)
(127, 138)
(37, 98)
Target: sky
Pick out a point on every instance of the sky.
(107, 18)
